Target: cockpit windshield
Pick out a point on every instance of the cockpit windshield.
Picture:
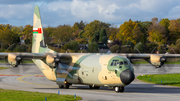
(118, 63)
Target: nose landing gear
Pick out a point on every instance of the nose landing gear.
(119, 89)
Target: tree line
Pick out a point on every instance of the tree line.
(132, 36)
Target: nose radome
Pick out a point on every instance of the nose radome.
(127, 76)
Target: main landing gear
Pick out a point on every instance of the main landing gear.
(119, 89)
(94, 87)
(66, 85)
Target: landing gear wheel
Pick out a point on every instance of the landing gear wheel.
(90, 87)
(119, 89)
(61, 86)
(66, 86)
(96, 87)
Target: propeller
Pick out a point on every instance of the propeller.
(136, 66)
(165, 67)
(20, 66)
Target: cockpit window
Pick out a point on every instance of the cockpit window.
(115, 63)
(118, 63)
(125, 63)
(121, 63)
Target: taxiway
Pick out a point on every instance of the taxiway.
(28, 77)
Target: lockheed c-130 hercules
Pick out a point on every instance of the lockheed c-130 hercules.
(95, 70)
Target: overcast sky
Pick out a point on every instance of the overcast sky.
(60, 12)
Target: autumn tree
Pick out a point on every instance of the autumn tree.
(103, 36)
(63, 33)
(49, 30)
(93, 47)
(48, 34)
(27, 34)
(115, 49)
(81, 25)
(174, 28)
(113, 33)
(95, 37)
(76, 29)
(93, 26)
(165, 23)
(157, 33)
(81, 34)
(7, 36)
(72, 45)
(17, 29)
(139, 47)
(129, 31)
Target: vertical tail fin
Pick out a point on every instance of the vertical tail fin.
(38, 42)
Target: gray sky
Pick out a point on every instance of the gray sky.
(60, 12)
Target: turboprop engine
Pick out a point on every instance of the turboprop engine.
(157, 61)
(62, 64)
(53, 61)
(14, 60)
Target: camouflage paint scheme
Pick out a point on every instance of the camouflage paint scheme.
(89, 69)
(82, 68)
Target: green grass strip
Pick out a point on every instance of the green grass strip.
(24, 61)
(163, 79)
(15, 95)
(1, 68)
(145, 62)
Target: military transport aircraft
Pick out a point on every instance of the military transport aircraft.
(95, 70)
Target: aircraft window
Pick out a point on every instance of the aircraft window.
(125, 62)
(121, 63)
(112, 63)
(115, 63)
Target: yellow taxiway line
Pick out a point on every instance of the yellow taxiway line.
(20, 79)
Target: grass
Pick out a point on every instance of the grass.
(145, 62)
(24, 61)
(15, 95)
(163, 79)
(4, 68)
(140, 62)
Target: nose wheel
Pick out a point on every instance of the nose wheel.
(119, 89)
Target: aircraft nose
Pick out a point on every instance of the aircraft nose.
(127, 76)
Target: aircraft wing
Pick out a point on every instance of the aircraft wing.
(14, 59)
(157, 60)
(146, 56)
(24, 55)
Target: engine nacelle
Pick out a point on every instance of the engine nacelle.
(157, 60)
(14, 60)
(50, 61)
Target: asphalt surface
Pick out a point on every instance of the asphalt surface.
(29, 78)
